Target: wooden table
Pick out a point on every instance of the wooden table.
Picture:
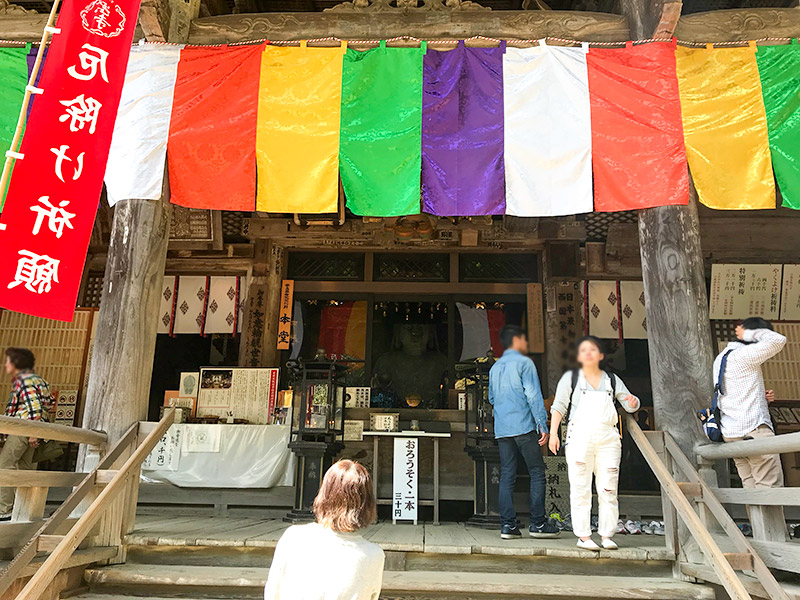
(377, 435)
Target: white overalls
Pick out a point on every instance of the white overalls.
(593, 446)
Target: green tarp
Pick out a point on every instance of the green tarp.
(381, 137)
(13, 79)
(779, 70)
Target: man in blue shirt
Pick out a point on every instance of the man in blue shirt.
(520, 426)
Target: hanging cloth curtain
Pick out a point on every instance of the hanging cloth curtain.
(299, 113)
(32, 52)
(548, 137)
(462, 132)
(212, 132)
(638, 150)
(777, 66)
(725, 127)
(379, 149)
(135, 167)
(14, 78)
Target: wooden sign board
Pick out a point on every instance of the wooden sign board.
(741, 291)
(790, 296)
(535, 318)
(285, 315)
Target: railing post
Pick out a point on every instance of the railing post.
(670, 515)
(768, 522)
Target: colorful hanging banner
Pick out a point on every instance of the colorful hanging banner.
(548, 139)
(782, 102)
(14, 78)
(52, 200)
(379, 147)
(135, 167)
(725, 127)
(212, 132)
(299, 114)
(462, 132)
(638, 150)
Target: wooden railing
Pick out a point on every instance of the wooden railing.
(102, 493)
(694, 503)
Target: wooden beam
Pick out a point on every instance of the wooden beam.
(740, 561)
(766, 496)
(445, 24)
(24, 28)
(48, 543)
(51, 431)
(779, 444)
(20, 479)
(693, 491)
(739, 24)
(408, 288)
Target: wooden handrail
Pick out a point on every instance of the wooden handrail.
(20, 479)
(787, 496)
(779, 444)
(16, 567)
(712, 552)
(38, 583)
(51, 431)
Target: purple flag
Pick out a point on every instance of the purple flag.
(462, 132)
(31, 60)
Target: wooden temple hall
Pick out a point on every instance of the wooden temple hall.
(219, 360)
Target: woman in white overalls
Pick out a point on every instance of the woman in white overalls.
(593, 443)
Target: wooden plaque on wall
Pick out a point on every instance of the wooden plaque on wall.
(535, 318)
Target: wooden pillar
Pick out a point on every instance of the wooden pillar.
(122, 363)
(258, 346)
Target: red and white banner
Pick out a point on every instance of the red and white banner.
(55, 188)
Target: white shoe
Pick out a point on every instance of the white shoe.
(588, 545)
(609, 544)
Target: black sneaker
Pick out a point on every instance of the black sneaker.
(548, 529)
(509, 532)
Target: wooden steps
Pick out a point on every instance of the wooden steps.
(236, 582)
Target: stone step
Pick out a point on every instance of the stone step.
(225, 582)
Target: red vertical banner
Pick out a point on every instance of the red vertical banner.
(638, 153)
(55, 188)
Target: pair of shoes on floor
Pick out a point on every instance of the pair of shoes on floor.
(548, 529)
(5, 517)
(653, 528)
(606, 543)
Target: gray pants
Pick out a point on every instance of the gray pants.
(17, 453)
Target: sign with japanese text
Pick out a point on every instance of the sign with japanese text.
(535, 317)
(285, 314)
(790, 295)
(741, 291)
(55, 187)
(166, 456)
(405, 479)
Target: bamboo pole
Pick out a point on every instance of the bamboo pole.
(9, 160)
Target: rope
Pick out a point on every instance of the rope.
(408, 38)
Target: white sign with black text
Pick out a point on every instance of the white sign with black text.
(406, 478)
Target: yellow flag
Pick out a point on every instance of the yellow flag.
(297, 143)
(725, 127)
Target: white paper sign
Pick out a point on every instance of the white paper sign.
(166, 455)
(741, 291)
(202, 438)
(406, 479)
(790, 297)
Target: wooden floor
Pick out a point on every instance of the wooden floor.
(446, 538)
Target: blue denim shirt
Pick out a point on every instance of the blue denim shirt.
(516, 395)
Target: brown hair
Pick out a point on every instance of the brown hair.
(21, 358)
(345, 501)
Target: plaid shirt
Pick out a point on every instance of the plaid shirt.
(744, 406)
(30, 397)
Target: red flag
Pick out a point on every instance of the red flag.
(638, 153)
(55, 189)
(212, 134)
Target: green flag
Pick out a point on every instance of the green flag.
(381, 137)
(13, 79)
(778, 68)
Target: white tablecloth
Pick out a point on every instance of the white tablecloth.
(249, 456)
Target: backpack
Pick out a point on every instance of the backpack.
(710, 417)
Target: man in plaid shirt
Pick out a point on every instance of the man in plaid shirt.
(743, 407)
(30, 398)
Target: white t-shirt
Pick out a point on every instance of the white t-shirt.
(313, 562)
